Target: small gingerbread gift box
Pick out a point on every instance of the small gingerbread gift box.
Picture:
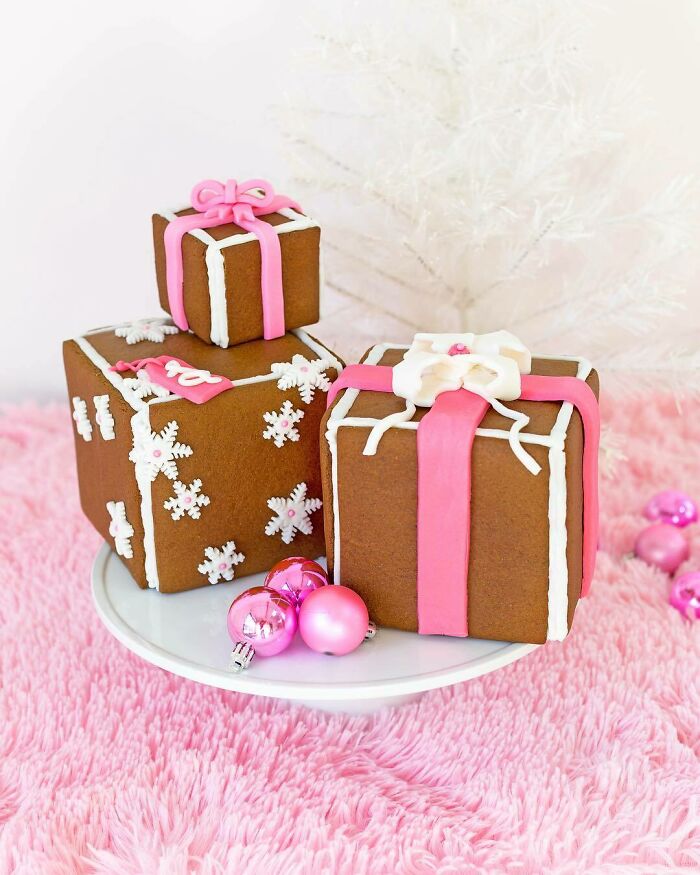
(240, 263)
(197, 463)
(460, 486)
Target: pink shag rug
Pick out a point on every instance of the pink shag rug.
(583, 757)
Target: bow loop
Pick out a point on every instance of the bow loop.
(257, 194)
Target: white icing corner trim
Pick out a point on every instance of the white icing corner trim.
(219, 562)
(187, 500)
(120, 529)
(304, 374)
(146, 329)
(292, 514)
(282, 424)
(140, 425)
(82, 422)
(103, 417)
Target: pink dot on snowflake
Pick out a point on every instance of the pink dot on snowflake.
(291, 513)
(157, 454)
(303, 368)
(458, 349)
(223, 566)
(188, 499)
(284, 423)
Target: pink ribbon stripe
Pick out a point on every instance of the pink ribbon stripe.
(224, 203)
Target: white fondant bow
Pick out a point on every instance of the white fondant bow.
(489, 365)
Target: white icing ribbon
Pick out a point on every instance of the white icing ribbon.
(489, 365)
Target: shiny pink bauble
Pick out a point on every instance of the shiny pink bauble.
(685, 595)
(662, 546)
(263, 618)
(672, 506)
(295, 578)
(333, 620)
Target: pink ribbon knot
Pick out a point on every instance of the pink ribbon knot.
(221, 203)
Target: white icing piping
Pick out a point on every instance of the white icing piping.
(558, 603)
(138, 404)
(103, 365)
(558, 589)
(317, 347)
(381, 427)
(217, 296)
(141, 420)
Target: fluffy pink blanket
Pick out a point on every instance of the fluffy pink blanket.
(582, 757)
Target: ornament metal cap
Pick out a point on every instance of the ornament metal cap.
(371, 631)
(241, 657)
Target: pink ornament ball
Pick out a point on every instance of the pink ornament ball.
(662, 546)
(264, 619)
(333, 620)
(295, 578)
(685, 595)
(672, 506)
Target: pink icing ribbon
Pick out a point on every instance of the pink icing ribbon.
(220, 203)
(445, 438)
(182, 379)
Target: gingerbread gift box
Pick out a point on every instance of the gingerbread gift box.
(196, 463)
(460, 486)
(239, 263)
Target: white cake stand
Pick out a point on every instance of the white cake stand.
(186, 634)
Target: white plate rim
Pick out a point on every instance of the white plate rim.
(287, 689)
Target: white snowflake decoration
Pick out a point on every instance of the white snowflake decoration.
(304, 374)
(120, 529)
(187, 500)
(158, 451)
(220, 562)
(146, 329)
(103, 417)
(82, 422)
(292, 514)
(141, 385)
(281, 425)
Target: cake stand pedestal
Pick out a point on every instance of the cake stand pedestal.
(185, 633)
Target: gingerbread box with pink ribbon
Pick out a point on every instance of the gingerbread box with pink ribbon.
(239, 263)
(199, 464)
(460, 486)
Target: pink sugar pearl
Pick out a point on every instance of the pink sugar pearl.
(333, 620)
(663, 546)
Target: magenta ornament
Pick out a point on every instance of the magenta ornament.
(333, 620)
(673, 507)
(663, 546)
(685, 595)
(263, 619)
(295, 578)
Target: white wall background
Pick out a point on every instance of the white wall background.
(112, 111)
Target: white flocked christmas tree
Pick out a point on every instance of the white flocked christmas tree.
(472, 172)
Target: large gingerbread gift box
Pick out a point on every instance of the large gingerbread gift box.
(199, 463)
(460, 486)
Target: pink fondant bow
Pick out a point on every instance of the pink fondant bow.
(220, 203)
